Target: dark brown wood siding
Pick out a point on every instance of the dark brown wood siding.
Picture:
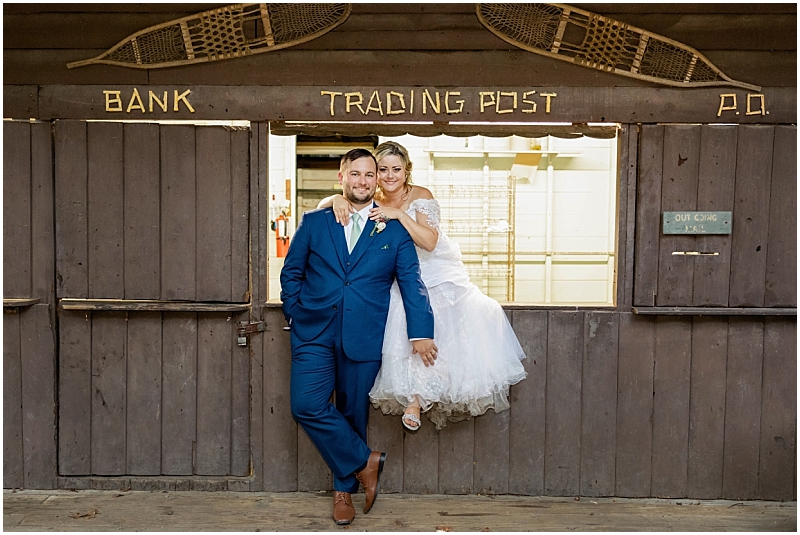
(29, 359)
(432, 44)
(738, 169)
(156, 213)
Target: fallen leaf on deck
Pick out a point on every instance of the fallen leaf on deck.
(444, 528)
(88, 514)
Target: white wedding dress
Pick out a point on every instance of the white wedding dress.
(479, 355)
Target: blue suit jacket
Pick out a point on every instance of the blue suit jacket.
(320, 277)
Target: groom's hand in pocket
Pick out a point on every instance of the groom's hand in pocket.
(426, 349)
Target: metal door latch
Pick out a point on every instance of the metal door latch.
(246, 328)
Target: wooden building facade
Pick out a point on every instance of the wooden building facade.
(134, 251)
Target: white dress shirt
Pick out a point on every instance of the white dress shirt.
(364, 222)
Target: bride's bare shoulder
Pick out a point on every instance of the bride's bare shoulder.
(418, 192)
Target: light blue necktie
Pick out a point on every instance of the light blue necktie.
(355, 232)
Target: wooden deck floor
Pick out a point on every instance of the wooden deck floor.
(231, 511)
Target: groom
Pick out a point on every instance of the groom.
(335, 291)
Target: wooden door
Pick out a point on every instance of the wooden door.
(152, 241)
(748, 170)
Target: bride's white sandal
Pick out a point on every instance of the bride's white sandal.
(411, 418)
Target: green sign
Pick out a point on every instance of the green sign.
(697, 222)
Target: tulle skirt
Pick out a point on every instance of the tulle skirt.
(478, 358)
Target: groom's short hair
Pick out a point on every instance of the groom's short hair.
(356, 154)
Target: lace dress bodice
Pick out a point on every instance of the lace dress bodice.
(443, 264)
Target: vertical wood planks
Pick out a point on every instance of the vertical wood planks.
(109, 393)
(213, 214)
(17, 242)
(707, 407)
(105, 210)
(240, 402)
(527, 433)
(213, 394)
(490, 474)
(312, 472)
(257, 311)
(385, 434)
(280, 432)
(74, 393)
(240, 251)
(778, 445)
(781, 278)
(627, 216)
(743, 408)
(635, 405)
(715, 194)
(144, 393)
(563, 406)
(421, 460)
(42, 216)
(37, 349)
(599, 403)
(72, 257)
(678, 192)
(671, 406)
(457, 460)
(179, 393)
(648, 215)
(751, 216)
(142, 192)
(12, 403)
(178, 233)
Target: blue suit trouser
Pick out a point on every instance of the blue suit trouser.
(338, 431)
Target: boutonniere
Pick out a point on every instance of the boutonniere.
(380, 225)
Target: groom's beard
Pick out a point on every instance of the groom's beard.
(357, 198)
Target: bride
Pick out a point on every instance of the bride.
(479, 355)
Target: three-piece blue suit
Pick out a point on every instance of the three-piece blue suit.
(336, 303)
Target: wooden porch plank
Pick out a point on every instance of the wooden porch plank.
(457, 457)
(38, 397)
(74, 393)
(781, 278)
(179, 393)
(144, 394)
(385, 434)
(749, 241)
(490, 475)
(778, 443)
(629, 153)
(528, 401)
(17, 241)
(142, 194)
(671, 407)
(681, 164)
(213, 213)
(635, 405)
(280, 432)
(240, 250)
(105, 210)
(42, 216)
(72, 256)
(240, 399)
(178, 233)
(599, 403)
(563, 408)
(648, 226)
(714, 193)
(213, 394)
(109, 393)
(707, 408)
(743, 408)
(13, 465)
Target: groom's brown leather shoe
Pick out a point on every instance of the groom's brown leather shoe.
(343, 510)
(370, 476)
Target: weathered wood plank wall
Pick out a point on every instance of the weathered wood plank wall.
(152, 393)
(615, 404)
(29, 360)
(432, 44)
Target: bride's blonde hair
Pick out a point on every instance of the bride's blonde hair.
(392, 148)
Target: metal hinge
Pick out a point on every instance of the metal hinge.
(246, 328)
